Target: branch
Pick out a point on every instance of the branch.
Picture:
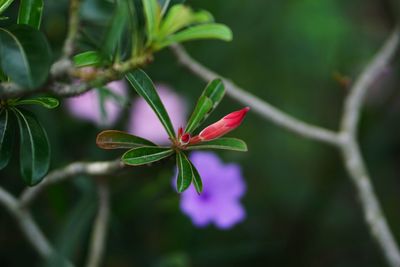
(354, 162)
(98, 238)
(73, 25)
(73, 169)
(28, 226)
(266, 110)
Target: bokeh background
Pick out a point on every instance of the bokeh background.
(302, 209)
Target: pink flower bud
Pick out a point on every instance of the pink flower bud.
(221, 127)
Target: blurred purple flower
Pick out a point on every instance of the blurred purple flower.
(223, 186)
(88, 105)
(144, 122)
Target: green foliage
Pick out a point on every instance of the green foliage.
(46, 102)
(6, 137)
(144, 151)
(144, 155)
(208, 101)
(24, 55)
(185, 173)
(88, 58)
(34, 147)
(30, 13)
(4, 4)
(145, 88)
(112, 139)
(224, 143)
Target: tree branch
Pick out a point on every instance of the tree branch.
(353, 160)
(346, 140)
(28, 226)
(99, 234)
(266, 110)
(73, 24)
(73, 169)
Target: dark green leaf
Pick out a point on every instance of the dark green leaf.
(112, 139)
(115, 30)
(203, 31)
(145, 88)
(88, 58)
(34, 148)
(4, 4)
(24, 55)
(208, 101)
(6, 137)
(144, 155)
(225, 143)
(30, 12)
(185, 172)
(152, 14)
(46, 102)
(198, 184)
(203, 107)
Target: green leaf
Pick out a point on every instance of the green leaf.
(30, 13)
(225, 143)
(145, 88)
(112, 139)
(46, 102)
(208, 101)
(202, 31)
(88, 58)
(203, 106)
(180, 16)
(152, 14)
(143, 155)
(34, 148)
(185, 172)
(24, 55)
(4, 4)
(6, 138)
(114, 35)
(198, 184)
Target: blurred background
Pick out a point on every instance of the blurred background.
(301, 208)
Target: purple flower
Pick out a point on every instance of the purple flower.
(88, 105)
(144, 122)
(223, 186)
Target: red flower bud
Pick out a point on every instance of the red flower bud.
(221, 127)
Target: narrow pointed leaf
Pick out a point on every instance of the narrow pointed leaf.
(152, 14)
(6, 137)
(203, 106)
(112, 139)
(198, 184)
(88, 58)
(208, 101)
(115, 30)
(46, 102)
(180, 16)
(30, 13)
(224, 143)
(34, 148)
(145, 88)
(185, 173)
(24, 55)
(4, 4)
(202, 31)
(144, 155)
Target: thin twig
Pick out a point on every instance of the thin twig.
(257, 105)
(355, 165)
(73, 25)
(73, 169)
(28, 226)
(99, 233)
